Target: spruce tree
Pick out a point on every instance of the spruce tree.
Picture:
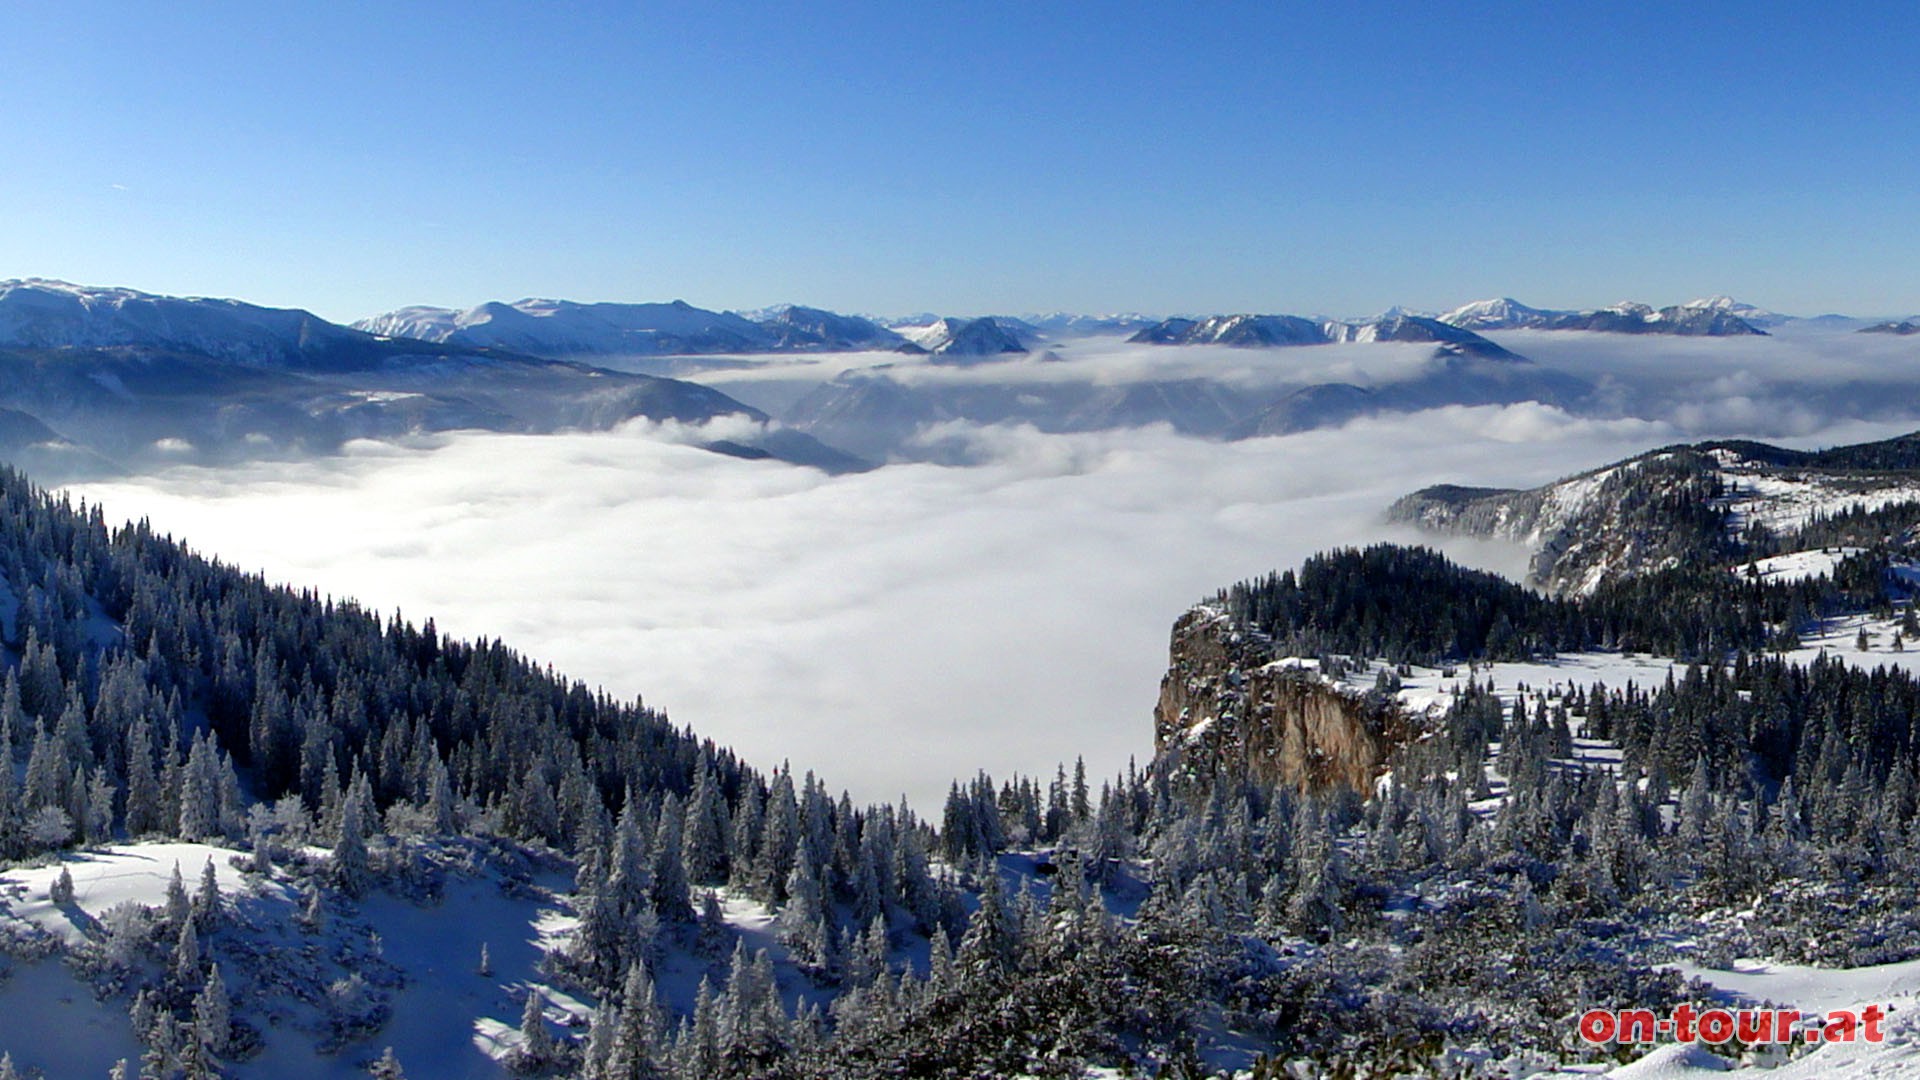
(206, 900)
(213, 1014)
(351, 872)
(536, 1042)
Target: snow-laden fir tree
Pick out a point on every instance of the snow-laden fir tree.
(536, 1049)
(206, 899)
(213, 1014)
(350, 866)
(387, 1067)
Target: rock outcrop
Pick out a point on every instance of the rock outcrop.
(1229, 708)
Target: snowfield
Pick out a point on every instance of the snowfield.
(1797, 566)
(420, 958)
(444, 1017)
(1785, 502)
(122, 874)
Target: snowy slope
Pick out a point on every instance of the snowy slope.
(442, 1015)
(1895, 987)
(983, 337)
(1504, 313)
(1797, 565)
(1745, 312)
(1812, 991)
(544, 327)
(127, 873)
(40, 313)
(1573, 529)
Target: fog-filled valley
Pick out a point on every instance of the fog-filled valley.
(797, 696)
(838, 541)
(902, 626)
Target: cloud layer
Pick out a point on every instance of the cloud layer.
(895, 629)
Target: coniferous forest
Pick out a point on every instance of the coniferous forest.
(1155, 923)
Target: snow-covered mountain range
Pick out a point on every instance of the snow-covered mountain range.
(1287, 330)
(542, 327)
(37, 313)
(1719, 316)
(96, 379)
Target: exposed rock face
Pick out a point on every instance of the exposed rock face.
(1227, 708)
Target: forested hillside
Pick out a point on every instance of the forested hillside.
(1547, 848)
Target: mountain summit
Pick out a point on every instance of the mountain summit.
(1716, 317)
(94, 379)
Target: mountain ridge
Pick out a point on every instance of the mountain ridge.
(127, 379)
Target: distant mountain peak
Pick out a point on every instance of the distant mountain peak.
(980, 338)
(1715, 317)
(563, 329)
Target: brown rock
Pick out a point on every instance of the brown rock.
(1227, 708)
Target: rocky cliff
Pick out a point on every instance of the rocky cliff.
(1228, 707)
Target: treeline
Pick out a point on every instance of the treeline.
(1413, 605)
(154, 693)
(160, 693)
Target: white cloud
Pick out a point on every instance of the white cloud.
(898, 628)
(891, 630)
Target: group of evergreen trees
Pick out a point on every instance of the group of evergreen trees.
(1413, 605)
(1491, 887)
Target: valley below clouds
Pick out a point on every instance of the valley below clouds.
(891, 630)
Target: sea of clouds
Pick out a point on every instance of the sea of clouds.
(896, 629)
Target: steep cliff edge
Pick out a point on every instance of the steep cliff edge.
(1662, 509)
(1229, 707)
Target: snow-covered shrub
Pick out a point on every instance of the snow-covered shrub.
(355, 1009)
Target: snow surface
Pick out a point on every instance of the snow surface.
(1785, 500)
(1798, 565)
(447, 1018)
(545, 325)
(441, 1011)
(125, 873)
(1895, 987)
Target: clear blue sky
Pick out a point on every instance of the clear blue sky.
(978, 157)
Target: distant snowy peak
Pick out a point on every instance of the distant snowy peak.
(1718, 317)
(567, 328)
(36, 313)
(544, 327)
(1273, 331)
(1060, 324)
(1902, 329)
(421, 323)
(1504, 313)
(982, 338)
(1745, 312)
(1420, 329)
(1239, 330)
(793, 326)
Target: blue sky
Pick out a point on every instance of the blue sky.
(969, 158)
